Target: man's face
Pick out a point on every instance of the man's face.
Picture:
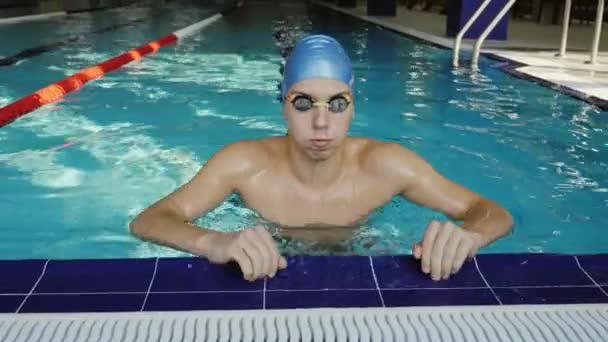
(321, 128)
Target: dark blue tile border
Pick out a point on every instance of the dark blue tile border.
(83, 303)
(23, 275)
(551, 295)
(323, 299)
(439, 297)
(596, 266)
(517, 270)
(308, 282)
(9, 304)
(205, 301)
(192, 274)
(90, 276)
(403, 272)
(306, 273)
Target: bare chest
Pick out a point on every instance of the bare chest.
(292, 205)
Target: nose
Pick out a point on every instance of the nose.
(321, 117)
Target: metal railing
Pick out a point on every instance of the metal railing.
(595, 44)
(464, 30)
(487, 31)
(564, 40)
(565, 27)
(484, 34)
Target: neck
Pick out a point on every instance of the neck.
(317, 173)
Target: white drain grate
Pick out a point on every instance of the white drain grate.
(587, 322)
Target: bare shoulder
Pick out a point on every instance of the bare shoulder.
(389, 159)
(242, 157)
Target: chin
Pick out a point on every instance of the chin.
(320, 155)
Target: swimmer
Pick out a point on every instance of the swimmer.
(317, 181)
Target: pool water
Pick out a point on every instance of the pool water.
(146, 129)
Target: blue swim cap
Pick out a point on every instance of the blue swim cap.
(317, 56)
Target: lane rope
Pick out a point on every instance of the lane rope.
(59, 89)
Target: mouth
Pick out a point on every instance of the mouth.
(320, 143)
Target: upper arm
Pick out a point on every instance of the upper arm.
(420, 183)
(215, 181)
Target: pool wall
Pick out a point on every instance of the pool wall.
(191, 283)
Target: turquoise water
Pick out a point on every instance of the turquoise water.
(147, 128)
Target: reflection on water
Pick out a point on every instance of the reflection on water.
(137, 134)
(370, 236)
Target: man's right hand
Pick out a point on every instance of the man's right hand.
(253, 249)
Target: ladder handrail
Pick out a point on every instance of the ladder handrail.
(565, 27)
(487, 31)
(595, 44)
(466, 27)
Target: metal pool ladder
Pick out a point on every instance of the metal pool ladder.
(484, 34)
(574, 322)
(565, 24)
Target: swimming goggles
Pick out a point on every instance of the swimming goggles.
(303, 103)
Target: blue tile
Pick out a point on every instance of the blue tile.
(84, 303)
(596, 266)
(196, 274)
(10, 303)
(205, 301)
(81, 276)
(19, 276)
(322, 272)
(511, 270)
(437, 297)
(405, 272)
(322, 299)
(551, 295)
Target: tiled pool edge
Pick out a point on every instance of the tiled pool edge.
(178, 284)
(510, 68)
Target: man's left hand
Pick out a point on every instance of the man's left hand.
(444, 248)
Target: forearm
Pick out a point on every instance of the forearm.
(488, 219)
(168, 230)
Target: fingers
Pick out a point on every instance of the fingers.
(449, 254)
(444, 249)
(273, 254)
(244, 262)
(442, 237)
(427, 245)
(250, 247)
(417, 250)
(282, 263)
(262, 257)
(461, 254)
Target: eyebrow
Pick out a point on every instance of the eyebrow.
(346, 92)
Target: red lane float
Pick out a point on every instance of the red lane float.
(59, 89)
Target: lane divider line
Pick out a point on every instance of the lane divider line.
(40, 49)
(15, 20)
(59, 89)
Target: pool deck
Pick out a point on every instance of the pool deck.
(190, 283)
(530, 46)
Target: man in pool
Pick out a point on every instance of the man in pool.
(316, 182)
